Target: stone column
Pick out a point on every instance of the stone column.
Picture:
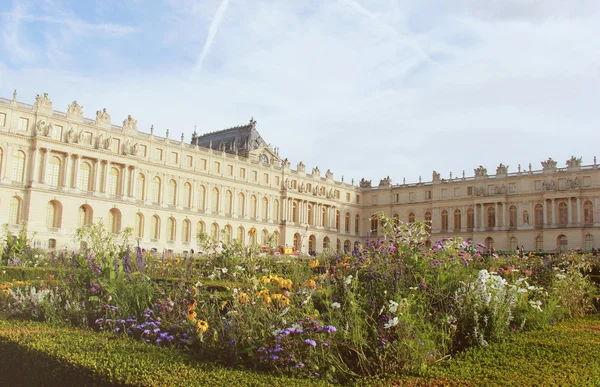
(123, 188)
(107, 165)
(570, 212)
(578, 211)
(132, 181)
(43, 165)
(496, 217)
(481, 217)
(66, 171)
(504, 207)
(553, 212)
(75, 176)
(97, 173)
(34, 166)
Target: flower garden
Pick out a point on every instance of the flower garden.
(393, 307)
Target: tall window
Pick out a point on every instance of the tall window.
(444, 220)
(457, 220)
(324, 217)
(139, 225)
(155, 227)
(140, 187)
(14, 215)
(187, 195)
(253, 206)
(171, 229)
(228, 231)
(265, 208)
(297, 242)
(347, 222)
(526, 217)
(241, 236)
(539, 214)
(172, 193)
(294, 212)
(357, 224)
(491, 217)
(214, 231)
(185, 231)
(53, 214)
(514, 244)
(326, 243)
(312, 244)
(241, 210)
(539, 243)
(113, 181)
(374, 224)
(337, 220)
(202, 198)
(53, 171)
(201, 227)
(428, 221)
(563, 213)
(489, 242)
(470, 219)
(85, 170)
(156, 189)
(512, 216)
(276, 210)
(588, 213)
(18, 166)
(563, 244)
(114, 221)
(228, 202)
(411, 217)
(85, 215)
(310, 215)
(215, 200)
(589, 242)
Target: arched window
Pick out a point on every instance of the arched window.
(444, 219)
(312, 244)
(562, 243)
(514, 244)
(512, 216)
(214, 232)
(338, 245)
(227, 236)
(324, 216)
(589, 242)
(114, 220)
(265, 208)
(85, 215)
(326, 243)
(489, 242)
(155, 227)
(374, 224)
(85, 172)
(140, 187)
(252, 236)
(539, 214)
(201, 228)
(187, 195)
(53, 214)
(253, 206)
(310, 215)
(202, 198)
(241, 210)
(563, 214)
(428, 221)
(588, 213)
(276, 210)
(357, 224)
(457, 220)
(18, 167)
(297, 241)
(265, 237)
(411, 217)
(337, 220)
(156, 189)
(172, 193)
(14, 215)
(294, 212)
(347, 222)
(276, 237)
(491, 217)
(53, 171)
(470, 219)
(539, 243)
(113, 181)
(171, 229)
(347, 245)
(139, 225)
(241, 236)
(228, 202)
(215, 200)
(526, 217)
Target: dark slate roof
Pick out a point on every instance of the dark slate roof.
(239, 139)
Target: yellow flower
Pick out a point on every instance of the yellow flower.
(311, 283)
(265, 279)
(314, 263)
(202, 326)
(267, 299)
(280, 299)
(177, 261)
(252, 231)
(191, 315)
(284, 283)
(242, 297)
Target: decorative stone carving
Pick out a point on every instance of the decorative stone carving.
(108, 142)
(42, 102)
(263, 159)
(70, 136)
(435, 176)
(480, 172)
(300, 167)
(501, 190)
(548, 164)
(364, 183)
(574, 162)
(127, 150)
(385, 182)
(329, 174)
(42, 128)
(252, 123)
(316, 172)
(75, 111)
(501, 169)
(135, 150)
(99, 142)
(102, 117)
(130, 123)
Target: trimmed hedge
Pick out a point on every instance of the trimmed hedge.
(37, 354)
(19, 273)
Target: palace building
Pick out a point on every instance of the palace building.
(59, 171)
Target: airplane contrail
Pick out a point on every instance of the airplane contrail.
(212, 32)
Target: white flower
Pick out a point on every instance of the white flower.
(536, 304)
(393, 306)
(239, 268)
(560, 276)
(212, 276)
(224, 270)
(336, 305)
(391, 323)
(349, 279)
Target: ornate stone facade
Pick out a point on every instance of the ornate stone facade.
(61, 170)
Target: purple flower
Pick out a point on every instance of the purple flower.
(330, 329)
(310, 342)
(326, 345)
(273, 357)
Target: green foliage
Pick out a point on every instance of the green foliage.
(25, 273)
(14, 244)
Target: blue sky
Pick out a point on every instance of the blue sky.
(366, 88)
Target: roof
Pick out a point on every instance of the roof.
(239, 139)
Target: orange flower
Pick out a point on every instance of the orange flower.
(311, 283)
(242, 298)
(314, 263)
